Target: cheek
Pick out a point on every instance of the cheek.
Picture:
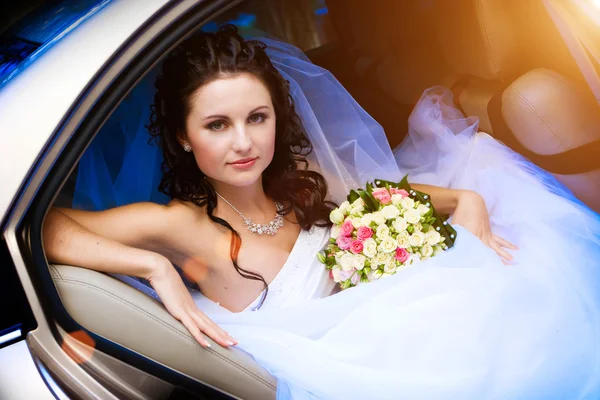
(209, 154)
(267, 139)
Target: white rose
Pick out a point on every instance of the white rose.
(336, 216)
(423, 209)
(356, 222)
(403, 239)
(382, 231)
(426, 251)
(389, 268)
(358, 202)
(347, 262)
(335, 231)
(408, 203)
(366, 219)
(359, 261)
(370, 248)
(387, 245)
(415, 258)
(417, 239)
(374, 275)
(344, 207)
(412, 216)
(337, 277)
(390, 212)
(378, 217)
(380, 259)
(397, 199)
(357, 211)
(432, 237)
(400, 224)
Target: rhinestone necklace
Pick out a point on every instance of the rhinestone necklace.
(270, 228)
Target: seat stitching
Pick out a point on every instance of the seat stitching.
(524, 102)
(168, 326)
(56, 271)
(528, 105)
(487, 37)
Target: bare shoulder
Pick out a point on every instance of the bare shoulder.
(184, 213)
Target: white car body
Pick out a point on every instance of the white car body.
(33, 104)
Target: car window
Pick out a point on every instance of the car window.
(27, 27)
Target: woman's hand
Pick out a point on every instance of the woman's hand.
(178, 301)
(471, 213)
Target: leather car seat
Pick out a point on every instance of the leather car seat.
(118, 312)
(547, 112)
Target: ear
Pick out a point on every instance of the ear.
(181, 138)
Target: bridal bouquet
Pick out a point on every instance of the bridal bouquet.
(383, 229)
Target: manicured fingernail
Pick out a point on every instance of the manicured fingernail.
(231, 343)
(208, 345)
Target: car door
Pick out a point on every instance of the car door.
(77, 361)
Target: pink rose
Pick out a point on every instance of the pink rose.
(356, 247)
(401, 192)
(402, 255)
(347, 228)
(344, 242)
(382, 195)
(364, 232)
(331, 274)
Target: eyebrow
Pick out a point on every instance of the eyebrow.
(225, 117)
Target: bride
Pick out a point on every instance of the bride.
(255, 136)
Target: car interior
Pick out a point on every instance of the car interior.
(386, 53)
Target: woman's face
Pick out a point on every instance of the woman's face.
(231, 129)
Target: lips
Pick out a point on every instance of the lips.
(244, 163)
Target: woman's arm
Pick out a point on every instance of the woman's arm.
(105, 241)
(468, 209)
(68, 242)
(443, 200)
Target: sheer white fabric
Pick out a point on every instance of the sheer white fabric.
(461, 325)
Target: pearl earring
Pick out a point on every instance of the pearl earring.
(187, 147)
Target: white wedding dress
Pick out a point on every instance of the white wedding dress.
(461, 325)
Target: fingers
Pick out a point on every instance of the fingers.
(192, 327)
(505, 243)
(212, 330)
(504, 255)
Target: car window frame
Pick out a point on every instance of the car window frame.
(172, 24)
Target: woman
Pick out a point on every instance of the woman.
(247, 217)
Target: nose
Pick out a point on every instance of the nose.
(241, 140)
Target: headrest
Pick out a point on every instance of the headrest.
(479, 37)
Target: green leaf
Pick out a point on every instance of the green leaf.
(353, 196)
(370, 204)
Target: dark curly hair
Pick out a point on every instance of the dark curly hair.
(198, 61)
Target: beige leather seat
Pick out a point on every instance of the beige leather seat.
(548, 112)
(120, 313)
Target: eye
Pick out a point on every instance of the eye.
(257, 118)
(216, 126)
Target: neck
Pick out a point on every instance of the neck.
(250, 200)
